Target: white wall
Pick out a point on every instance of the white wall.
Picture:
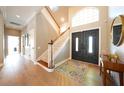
(113, 12)
(1, 40)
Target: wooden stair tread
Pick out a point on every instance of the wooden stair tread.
(43, 63)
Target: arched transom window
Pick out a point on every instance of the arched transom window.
(85, 16)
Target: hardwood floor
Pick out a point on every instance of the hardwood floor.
(19, 71)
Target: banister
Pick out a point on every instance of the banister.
(49, 10)
(53, 41)
(51, 60)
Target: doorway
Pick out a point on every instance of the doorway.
(85, 46)
(13, 45)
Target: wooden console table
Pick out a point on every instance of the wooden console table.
(117, 67)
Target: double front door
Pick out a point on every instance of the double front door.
(85, 46)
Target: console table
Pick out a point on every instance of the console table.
(117, 67)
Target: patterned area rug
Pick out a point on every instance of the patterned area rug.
(74, 70)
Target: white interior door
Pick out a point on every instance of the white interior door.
(32, 44)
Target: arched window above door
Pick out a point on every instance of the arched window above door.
(85, 16)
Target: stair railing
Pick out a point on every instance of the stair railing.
(52, 15)
(61, 35)
(51, 64)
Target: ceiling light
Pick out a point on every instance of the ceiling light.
(62, 19)
(17, 16)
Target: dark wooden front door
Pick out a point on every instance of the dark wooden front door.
(85, 46)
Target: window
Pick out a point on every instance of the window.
(90, 49)
(77, 42)
(85, 16)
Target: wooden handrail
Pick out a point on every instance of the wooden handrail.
(49, 10)
(52, 41)
(61, 34)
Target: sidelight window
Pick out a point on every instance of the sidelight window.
(76, 44)
(90, 49)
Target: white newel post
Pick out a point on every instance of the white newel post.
(50, 55)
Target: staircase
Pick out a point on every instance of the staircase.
(54, 48)
(46, 60)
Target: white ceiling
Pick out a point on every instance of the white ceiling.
(25, 13)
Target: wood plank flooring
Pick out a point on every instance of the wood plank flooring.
(20, 71)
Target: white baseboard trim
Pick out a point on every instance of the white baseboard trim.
(60, 63)
(47, 69)
(56, 65)
(1, 64)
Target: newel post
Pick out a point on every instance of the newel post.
(50, 55)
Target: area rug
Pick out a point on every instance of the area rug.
(73, 70)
